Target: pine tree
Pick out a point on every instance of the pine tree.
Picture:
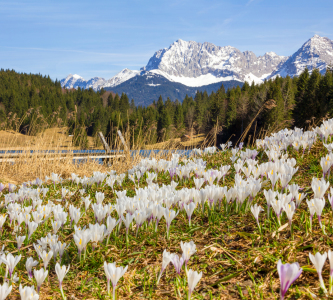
(288, 98)
(124, 104)
(110, 100)
(275, 116)
(199, 110)
(160, 104)
(132, 105)
(231, 108)
(115, 103)
(179, 116)
(164, 123)
(301, 110)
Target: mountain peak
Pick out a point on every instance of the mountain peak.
(195, 64)
(315, 53)
(76, 76)
(318, 40)
(271, 53)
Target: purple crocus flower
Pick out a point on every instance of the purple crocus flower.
(2, 186)
(241, 145)
(172, 172)
(254, 154)
(177, 263)
(288, 274)
(11, 187)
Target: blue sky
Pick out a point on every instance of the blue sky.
(100, 38)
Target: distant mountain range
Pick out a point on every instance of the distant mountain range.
(186, 67)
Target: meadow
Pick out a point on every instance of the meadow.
(230, 223)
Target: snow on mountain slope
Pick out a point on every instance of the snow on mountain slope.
(75, 81)
(195, 81)
(316, 53)
(121, 77)
(95, 83)
(195, 64)
(193, 60)
(72, 81)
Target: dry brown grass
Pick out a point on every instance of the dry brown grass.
(176, 143)
(51, 139)
(29, 166)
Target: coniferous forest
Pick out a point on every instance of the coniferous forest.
(30, 102)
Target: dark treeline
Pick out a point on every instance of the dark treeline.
(29, 102)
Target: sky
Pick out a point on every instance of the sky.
(100, 38)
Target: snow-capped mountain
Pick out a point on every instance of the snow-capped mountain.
(72, 81)
(316, 53)
(196, 65)
(192, 60)
(121, 77)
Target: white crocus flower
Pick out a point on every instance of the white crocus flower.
(99, 197)
(273, 177)
(87, 202)
(325, 165)
(330, 258)
(28, 293)
(319, 187)
(40, 276)
(113, 273)
(284, 179)
(5, 290)
(193, 278)
(61, 273)
(318, 261)
(256, 209)
(46, 257)
(111, 223)
(2, 220)
(29, 264)
(290, 210)
(299, 199)
(169, 215)
(270, 196)
(198, 182)
(188, 250)
(97, 233)
(20, 240)
(277, 206)
(127, 221)
(81, 239)
(319, 205)
(189, 208)
(32, 228)
(158, 213)
(310, 204)
(61, 249)
(167, 257)
(10, 261)
(55, 226)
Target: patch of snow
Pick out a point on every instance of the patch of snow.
(263, 77)
(152, 84)
(272, 54)
(197, 81)
(75, 76)
(121, 77)
(250, 78)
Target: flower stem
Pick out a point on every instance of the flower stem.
(113, 292)
(62, 292)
